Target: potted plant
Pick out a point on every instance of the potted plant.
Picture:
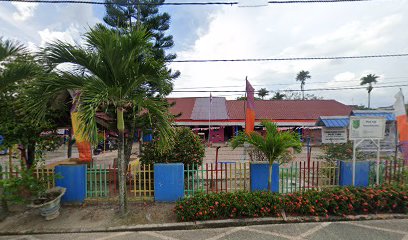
(32, 188)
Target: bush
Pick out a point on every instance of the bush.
(335, 201)
(341, 151)
(187, 148)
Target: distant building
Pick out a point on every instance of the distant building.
(227, 117)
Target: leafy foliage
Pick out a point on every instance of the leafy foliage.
(262, 93)
(340, 151)
(326, 202)
(187, 148)
(273, 145)
(26, 187)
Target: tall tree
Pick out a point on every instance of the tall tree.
(274, 144)
(262, 93)
(14, 66)
(119, 72)
(301, 77)
(369, 79)
(278, 96)
(127, 15)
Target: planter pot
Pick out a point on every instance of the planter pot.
(50, 209)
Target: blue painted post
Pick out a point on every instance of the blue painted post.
(259, 177)
(362, 173)
(168, 182)
(73, 178)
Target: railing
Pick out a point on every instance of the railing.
(220, 177)
(43, 173)
(301, 176)
(390, 171)
(102, 182)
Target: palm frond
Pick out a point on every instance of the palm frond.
(10, 48)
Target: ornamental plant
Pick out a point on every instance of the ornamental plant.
(274, 144)
(327, 202)
(186, 148)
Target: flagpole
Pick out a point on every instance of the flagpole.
(209, 119)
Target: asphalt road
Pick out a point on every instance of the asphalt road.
(373, 230)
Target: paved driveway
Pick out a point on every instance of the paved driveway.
(372, 230)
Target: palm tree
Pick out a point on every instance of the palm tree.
(369, 79)
(301, 77)
(111, 71)
(278, 96)
(14, 66)
(263, 93)
(273, 145)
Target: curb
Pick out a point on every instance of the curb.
(211, 224)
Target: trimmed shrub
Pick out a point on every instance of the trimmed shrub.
(335, 201)
(187, 148)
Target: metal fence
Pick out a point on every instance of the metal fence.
(42, 173)
(102, 182)
(303, 175)
(390, 171)
(220, 177)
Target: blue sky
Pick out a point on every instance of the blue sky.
(291, 30)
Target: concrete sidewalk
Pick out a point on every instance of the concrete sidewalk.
(395, 229)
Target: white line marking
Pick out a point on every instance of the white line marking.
(227, 233)
(272, 233)
(114, 235)
(158, 235)
(377, 228)
(315, 229)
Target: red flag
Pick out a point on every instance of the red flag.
(250, 108)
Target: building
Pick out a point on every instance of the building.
(226, 117)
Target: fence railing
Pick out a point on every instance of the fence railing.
(390, 171)
(46, 174)
(220, 177)
(303, 175)
(102, 182)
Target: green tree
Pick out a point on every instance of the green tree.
(262, 93)
(186, 148)
(301, 77)
(111, 71)
(278, 96)
(274, 144)
(14, 66)
(369, 79)
(128, 15)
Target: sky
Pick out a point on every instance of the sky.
(244, 31)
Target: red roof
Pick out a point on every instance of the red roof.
(289, 109)
(182, 105)
(269, 109)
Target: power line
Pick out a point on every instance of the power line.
(285, 84)
(291, 90)
(177, 3)
(290, 58)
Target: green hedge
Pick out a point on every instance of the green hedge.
(335, 201)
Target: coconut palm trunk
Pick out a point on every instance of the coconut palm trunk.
(270, 176)
(121, 161)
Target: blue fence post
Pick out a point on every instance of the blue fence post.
(73, 178)
(168, 182)
(259, 177)
(362, 174)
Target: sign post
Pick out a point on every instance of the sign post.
(366, 128)
(334, 135)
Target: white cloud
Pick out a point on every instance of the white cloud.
(24, 10)
(299, 31)
(69, 35)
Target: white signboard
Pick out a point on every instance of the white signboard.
(334, 135)
(366, 127)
